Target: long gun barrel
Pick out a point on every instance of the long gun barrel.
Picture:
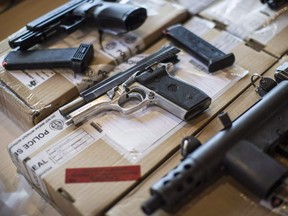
(107, 16)
(241, 149)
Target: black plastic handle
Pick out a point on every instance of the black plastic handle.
(188, 97)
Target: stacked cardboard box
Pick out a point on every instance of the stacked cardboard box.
(106, 165)
(134, 144)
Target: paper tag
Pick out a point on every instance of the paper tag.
(63, 150)
(133, 136)
(32, 78)
(33, 139)
(102, 174)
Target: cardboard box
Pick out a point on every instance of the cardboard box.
(254, 22)
(225, 196)
(30, 96)
(111, 141)
(194, 6)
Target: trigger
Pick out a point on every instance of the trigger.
(111, 93)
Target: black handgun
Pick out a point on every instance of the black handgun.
(147, 83)
(108, 16)
(274, 4)
(245, 149)
(281, 72)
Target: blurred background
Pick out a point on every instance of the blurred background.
(7, 4)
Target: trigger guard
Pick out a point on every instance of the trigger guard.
(136, 93)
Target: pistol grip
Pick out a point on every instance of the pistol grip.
(188, 97)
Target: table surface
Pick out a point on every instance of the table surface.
(16, 195)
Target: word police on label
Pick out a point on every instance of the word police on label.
(31, 142)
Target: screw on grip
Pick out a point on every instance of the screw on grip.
(76, 59)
